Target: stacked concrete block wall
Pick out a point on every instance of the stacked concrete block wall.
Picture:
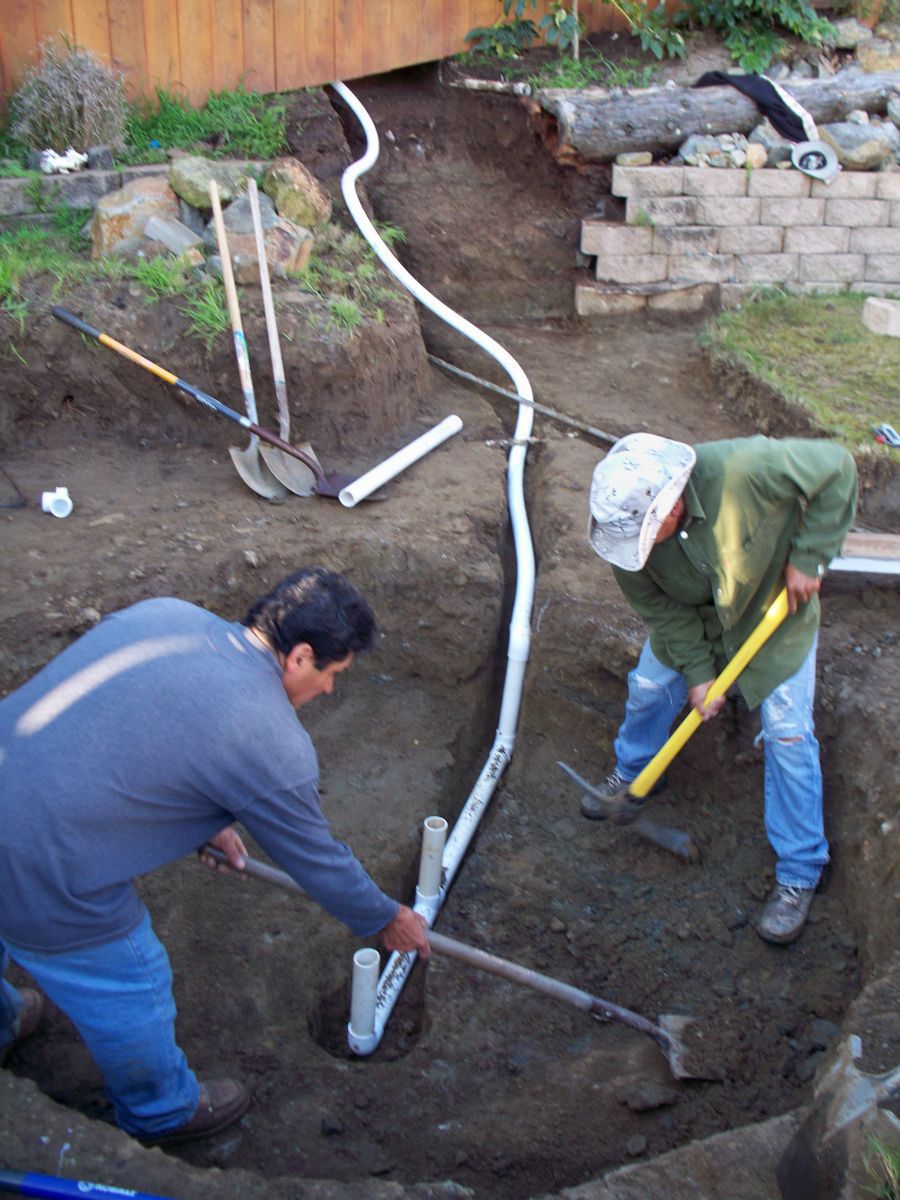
(694, 236)
(33, 199)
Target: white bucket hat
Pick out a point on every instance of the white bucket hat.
(817, 159)
(633, 490)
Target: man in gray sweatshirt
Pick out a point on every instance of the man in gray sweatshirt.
(138, 744)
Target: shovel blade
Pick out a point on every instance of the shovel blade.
(684, 1048)
(255, 474)
(294, 475)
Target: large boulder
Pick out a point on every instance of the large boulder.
(859, 147)
(190, 179)
(296, 193)
(288, 247)
(121, 216)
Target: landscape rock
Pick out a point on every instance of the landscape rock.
(879, 54)
(121, 216)
(190, 179)
(288, 247)
(849, 33)
(171, 234)
(296, 193)
(858, 147)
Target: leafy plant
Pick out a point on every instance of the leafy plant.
(652, 27)
(234, 123)
(68, 99)
(561, 27)
(504, 39)
(752, 29)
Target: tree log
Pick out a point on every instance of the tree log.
(595, 124)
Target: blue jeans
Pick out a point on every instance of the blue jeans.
(793, 775)
(119, 998)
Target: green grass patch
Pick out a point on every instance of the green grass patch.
(344, 272)
(816, 353)
(231, 124)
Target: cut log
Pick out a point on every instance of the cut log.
(595, 124)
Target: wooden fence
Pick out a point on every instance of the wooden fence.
(195, 46)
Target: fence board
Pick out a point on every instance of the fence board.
(198, 45)
(53, 18)
(163, 55)
(259, 46)
(227, 44)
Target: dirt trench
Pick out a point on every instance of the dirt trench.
(478, 1088)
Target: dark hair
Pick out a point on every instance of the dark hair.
(318, 607)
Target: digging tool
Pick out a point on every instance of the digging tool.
(625, 806)
(326, 485)
(668, 1034)
(676, 841)
(250, 465)
(296, 477)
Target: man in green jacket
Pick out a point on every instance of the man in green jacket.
(701, 541)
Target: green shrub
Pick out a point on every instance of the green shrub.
(68, 99)
(752, 29)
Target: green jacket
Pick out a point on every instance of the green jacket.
(753, 505)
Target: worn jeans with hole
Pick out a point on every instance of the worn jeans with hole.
(793, 776)
(119, 998)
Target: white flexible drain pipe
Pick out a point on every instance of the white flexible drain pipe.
(399, 965)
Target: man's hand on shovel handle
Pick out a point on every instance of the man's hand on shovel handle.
(799, 586)
(229, 841)
(407, 931)
(697, 697)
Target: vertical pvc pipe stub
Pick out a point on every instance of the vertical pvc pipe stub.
(361, 1036)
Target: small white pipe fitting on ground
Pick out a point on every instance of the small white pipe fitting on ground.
(57, 502)
(361, 1035)
(372, 480)
(434, 835)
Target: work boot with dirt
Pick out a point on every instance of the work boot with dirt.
(785, 913)
(27, 1021)
(222, 1102)
(611, 798)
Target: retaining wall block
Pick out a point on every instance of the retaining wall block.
(710, 181)
(766, 268)
(594, 302)
(662, 210)
(857, 212)
(875, 240)
(13, 199)
(685, 239)
(729, 211)
(606, 237)
(685, 300)
(751, 239)
(895, 212)
(632, 268)
(833, 268)
(142, 171)
(884, 268)
(733, 295)
(849, 185)
(818, 288)
(701, 268)
(793, 212)
(817, 239)
(82, 189)
(791, 185)
(882, 316)
(868, 286)
(646, 181)
(888, 186)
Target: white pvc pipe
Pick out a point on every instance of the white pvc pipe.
(434, 835)
(366, 484)
(399, 965)
(361, 1030)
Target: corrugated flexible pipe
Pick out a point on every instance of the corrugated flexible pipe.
(399, 966)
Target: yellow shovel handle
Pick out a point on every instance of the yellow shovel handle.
(775, 614)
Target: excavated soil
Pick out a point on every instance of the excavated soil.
(479, 1087)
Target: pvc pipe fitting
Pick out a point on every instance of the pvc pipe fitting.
(361, 1036)
(372, 480)
(57, 503)
(434, 835)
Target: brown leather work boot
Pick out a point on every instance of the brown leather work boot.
(222, 1102)
(27, 1021)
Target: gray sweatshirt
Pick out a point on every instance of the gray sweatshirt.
(129, 750)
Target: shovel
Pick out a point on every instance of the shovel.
(625, 807)
(668, 1034)
(296, 477)
(326, 485)
(250, 465)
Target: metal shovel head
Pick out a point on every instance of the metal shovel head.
(255, 474)
(684, 1049)
(293, 474)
